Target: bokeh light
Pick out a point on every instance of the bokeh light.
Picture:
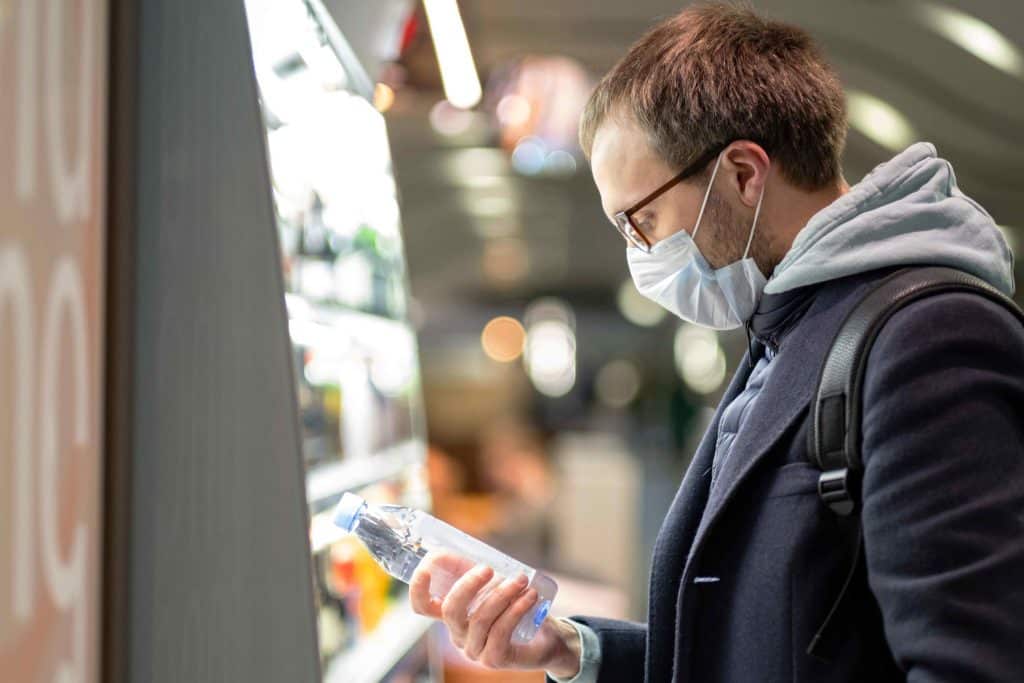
(617, 383)
(699, 358)
(503, 339)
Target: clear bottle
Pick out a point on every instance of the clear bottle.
(399, 538)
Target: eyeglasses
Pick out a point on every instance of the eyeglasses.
(624, 219)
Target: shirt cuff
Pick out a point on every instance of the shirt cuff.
(590, 655)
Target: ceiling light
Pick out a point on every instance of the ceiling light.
(458, 72)
(879, 121)
(974, 35)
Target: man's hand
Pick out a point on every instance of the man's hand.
(482, 611)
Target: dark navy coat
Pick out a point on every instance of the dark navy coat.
(741, 580)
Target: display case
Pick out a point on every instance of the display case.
(354, 350)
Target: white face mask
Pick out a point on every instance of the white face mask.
(675, 275)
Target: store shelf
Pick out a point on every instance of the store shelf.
(377, 653)
(304, 308)
(329, 481)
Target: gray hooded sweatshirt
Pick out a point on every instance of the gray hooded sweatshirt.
(907, 211)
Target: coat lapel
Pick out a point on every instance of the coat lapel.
(670, 548)
(688, 505)
(781, 401)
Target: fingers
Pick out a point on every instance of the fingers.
(455, 607)
(481, 621)
(419, 594)
(432, 580)
(484, 616)
(498, 652)
(438, 560)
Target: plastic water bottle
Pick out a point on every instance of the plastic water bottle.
(400, 538)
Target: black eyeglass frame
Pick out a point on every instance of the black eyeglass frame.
(624, 219)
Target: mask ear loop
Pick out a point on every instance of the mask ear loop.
(707, 193)
(757, 212)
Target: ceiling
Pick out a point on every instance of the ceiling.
(974, 114)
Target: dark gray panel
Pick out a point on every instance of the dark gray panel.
(220, 570)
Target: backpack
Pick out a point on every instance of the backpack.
(835, 420)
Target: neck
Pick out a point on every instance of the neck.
(795, 207)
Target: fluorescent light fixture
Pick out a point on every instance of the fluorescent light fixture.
(974, 35)
(458, 72)
(879, 121)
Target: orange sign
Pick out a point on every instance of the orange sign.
(53, 64)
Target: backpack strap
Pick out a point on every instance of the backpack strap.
(835, 432)
(834, 436)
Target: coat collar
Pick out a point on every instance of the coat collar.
(777, 314)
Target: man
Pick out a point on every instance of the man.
(715, 144)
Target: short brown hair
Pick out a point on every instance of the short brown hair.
(719, 72)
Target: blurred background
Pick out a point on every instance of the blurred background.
(463, 335)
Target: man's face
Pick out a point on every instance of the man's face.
(626, 170)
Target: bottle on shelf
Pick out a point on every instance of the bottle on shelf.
(400, 538)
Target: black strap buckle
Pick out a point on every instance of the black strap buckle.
(834, 490)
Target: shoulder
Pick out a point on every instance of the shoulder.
(943, 368)
(953, 324)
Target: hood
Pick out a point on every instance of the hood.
(907, 211)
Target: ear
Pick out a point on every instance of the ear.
(745, 167)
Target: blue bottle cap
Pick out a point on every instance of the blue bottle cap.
(348, 510)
